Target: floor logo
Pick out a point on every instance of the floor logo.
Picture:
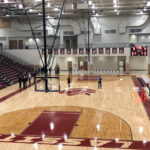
(76, 91)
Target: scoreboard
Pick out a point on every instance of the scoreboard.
(139, 51)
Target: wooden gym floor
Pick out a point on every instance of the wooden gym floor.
(115, 108)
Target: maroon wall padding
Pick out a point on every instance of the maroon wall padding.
(146, 102)
(63, 124)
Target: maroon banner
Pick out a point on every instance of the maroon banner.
(94, 51)
(107, 51)
(76, 142)
(101, 51)
(62, 51)
(42, 51)
(121, 50)
(74, 51)
(114, 50)
(55, 51)
(49, 51)
(81, 51)
(68, 51)
(87, 51)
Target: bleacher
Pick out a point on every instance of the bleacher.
(10, 71)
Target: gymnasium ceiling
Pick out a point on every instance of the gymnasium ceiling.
(75, 8)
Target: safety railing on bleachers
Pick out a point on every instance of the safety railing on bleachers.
(145, 78)
(105, 72)
(14, 58)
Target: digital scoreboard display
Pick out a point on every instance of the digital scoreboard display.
(139, 51)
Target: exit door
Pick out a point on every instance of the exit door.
(20, 44)
(85, 66)
(70, 66)
(121, 65)
(13, 44)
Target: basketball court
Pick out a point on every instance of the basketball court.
(110, 116)
(74, 75)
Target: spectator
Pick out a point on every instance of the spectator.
(68, 81)
(20, 80)
(99, 82)
(29, 77)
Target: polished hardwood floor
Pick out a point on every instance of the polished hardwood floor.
(115, 108)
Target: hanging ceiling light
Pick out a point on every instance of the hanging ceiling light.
(93, 6)
(48, 5)
(90, 3)
(56, 9)
(30, 10)
(20, 6)
(5, 1)
(118, 13)
(115, 3)
(148, 3)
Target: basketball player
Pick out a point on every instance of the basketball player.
(29, 77)
(99, 82)
(20, 80)
(68, 81)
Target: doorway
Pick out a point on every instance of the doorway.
(82, 65)
(70, 66)
(20, 44)
(121, 65)
(85, 66)
(13, 44)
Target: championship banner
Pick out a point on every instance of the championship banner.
(56, 51)
(94, 51)
(49, 51)
(107, 51)
(74, 51)
(68, 51)
(114, 50)
(42, 51)
(62, 51)
(101, 51)
(121, 50)
(81, 51)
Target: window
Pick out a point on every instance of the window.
(85, 32)
(135, 30)
(110, 31)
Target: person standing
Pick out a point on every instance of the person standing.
(1, 46)
(99, 82)
(68, 81)
(29, 77)
(20, 80)
(24, 82)
(34, 75)
(50, 70)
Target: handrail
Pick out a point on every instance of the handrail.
(95, 45)
(14, 58)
